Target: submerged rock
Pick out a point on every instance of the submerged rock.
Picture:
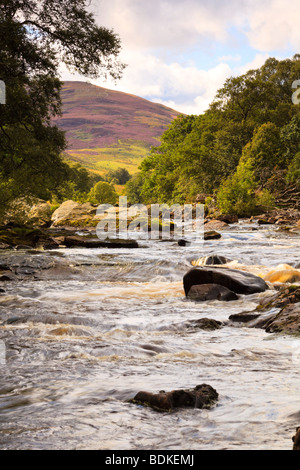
(240, 282)
(204, 292)
(202, 396)
(252, 319)
(182, 242)
(211, 260)
(212, 235)
(205, 324)
(244, 317)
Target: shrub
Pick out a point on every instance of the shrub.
(103, 193)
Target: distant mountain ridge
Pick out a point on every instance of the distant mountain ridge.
(108, 129)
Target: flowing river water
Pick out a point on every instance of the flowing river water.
(80, 342)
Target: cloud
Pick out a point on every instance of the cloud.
(180, 52)
(177, 24)
(164, 23)
(187, 89)
(274, 25)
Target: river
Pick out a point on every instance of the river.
(80, 343)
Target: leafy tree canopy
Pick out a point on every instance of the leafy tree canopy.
(103, 193)
(36, 36)
(250, 132)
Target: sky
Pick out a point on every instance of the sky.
(180, 52)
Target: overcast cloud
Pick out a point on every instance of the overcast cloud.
(179, 52)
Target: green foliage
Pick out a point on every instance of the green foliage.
(133, 189)
(103, 193)
(266, 200)
(35, 37)
(293, 172)
(118, 176)
(264, 151)
(77, 183)
(236, 194)
(245, 142)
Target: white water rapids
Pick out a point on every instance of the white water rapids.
(79, 346)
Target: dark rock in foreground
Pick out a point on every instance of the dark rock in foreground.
(286, 321)
(204, 292)
(296, 440)
(202, 396)
(237, 281)
(278, 314)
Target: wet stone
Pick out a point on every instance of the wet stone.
(205, 324)
(202, 396)
(212, 235)
(203, 292)
(240, 282)
(296, 440)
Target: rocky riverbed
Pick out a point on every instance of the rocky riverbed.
(91, 334)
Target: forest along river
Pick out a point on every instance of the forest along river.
(81, 342)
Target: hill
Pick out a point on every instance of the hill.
(107, 129)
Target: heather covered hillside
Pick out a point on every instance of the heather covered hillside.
(107, 129)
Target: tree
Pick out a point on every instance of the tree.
(103, 193)
(160, 169)
(36, 36)
(118, 176)
(249, 135)
(264, 152)
(134, 188)
(236, 195)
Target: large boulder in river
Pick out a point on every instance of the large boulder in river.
(30, 212)
(73, 214)
(240, 282)
(40, 214)
(202, 396)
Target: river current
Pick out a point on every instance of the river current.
(80, 343)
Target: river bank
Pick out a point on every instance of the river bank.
(38, 226)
